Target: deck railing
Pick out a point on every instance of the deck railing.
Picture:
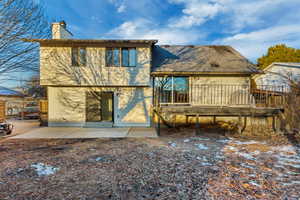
(223, 95)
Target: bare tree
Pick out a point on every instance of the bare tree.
(32, 87)
(20, 19)
(290, 91)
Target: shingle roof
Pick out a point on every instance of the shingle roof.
(200, 59)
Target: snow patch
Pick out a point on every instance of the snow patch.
(205, 164)
(203, 139)
(201, 146)
(223, 141)
(231, 148)
(238, 142)
(247, 165)
(255, 153)
(254, 183)
(202, 158)
(98, 159)
(246, 155)
(285, 148)
(44, 170)
(186, 140)
(172, 144)
(291, 183)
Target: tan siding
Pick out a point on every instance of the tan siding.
(132, 105)
(214, 90)
(56, 69)
(66, 104)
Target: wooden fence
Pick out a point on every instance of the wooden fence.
(223, 95)
(43, 104)
(2, 111)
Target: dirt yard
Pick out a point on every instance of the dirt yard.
(22, 126)
(175, 166)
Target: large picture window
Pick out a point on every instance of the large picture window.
(78, 56)
(172, 89)
(121, 57)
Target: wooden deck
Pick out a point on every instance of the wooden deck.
(242, 112)
(211, 100)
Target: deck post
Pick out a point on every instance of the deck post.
(158, 125)
(245, 124)
(174, 121)
(240, 125)
(276, 124)
(197, 125)
(187, 119)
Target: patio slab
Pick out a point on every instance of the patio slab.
(137, 132)
(74, 133)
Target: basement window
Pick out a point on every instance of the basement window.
(78, 56)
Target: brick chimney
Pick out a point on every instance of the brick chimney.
(59, 31)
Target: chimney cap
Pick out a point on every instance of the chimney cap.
(63, 23)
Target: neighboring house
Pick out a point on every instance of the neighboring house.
(13, 100)
(95, 83)
(278, 75)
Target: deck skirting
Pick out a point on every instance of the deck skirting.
(220, 111)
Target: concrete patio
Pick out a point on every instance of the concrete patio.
(69, 133)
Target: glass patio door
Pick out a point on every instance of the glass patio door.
(99, 106)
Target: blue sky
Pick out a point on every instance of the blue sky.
(250, 26)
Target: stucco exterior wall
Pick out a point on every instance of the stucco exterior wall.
(67, 105)
(219, 90)
(56, 69)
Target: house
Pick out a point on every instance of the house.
(118, 83)
(13, 99)
(278, 75)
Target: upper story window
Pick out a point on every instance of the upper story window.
(112, 57)
(121, 57)
(78, 56)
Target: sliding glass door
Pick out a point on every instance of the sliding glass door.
(99, 106)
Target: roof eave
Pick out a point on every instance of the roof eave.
(88, 41)
(157, 73)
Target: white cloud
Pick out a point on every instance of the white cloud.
(96, 19)
(145, 29)
(235, 14)
(119, 4)
(254, 44)
(196, 12)
(121, 8)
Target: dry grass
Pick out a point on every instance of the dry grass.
(175, 166)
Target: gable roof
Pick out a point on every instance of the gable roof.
(9, 92)
(200, 59)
